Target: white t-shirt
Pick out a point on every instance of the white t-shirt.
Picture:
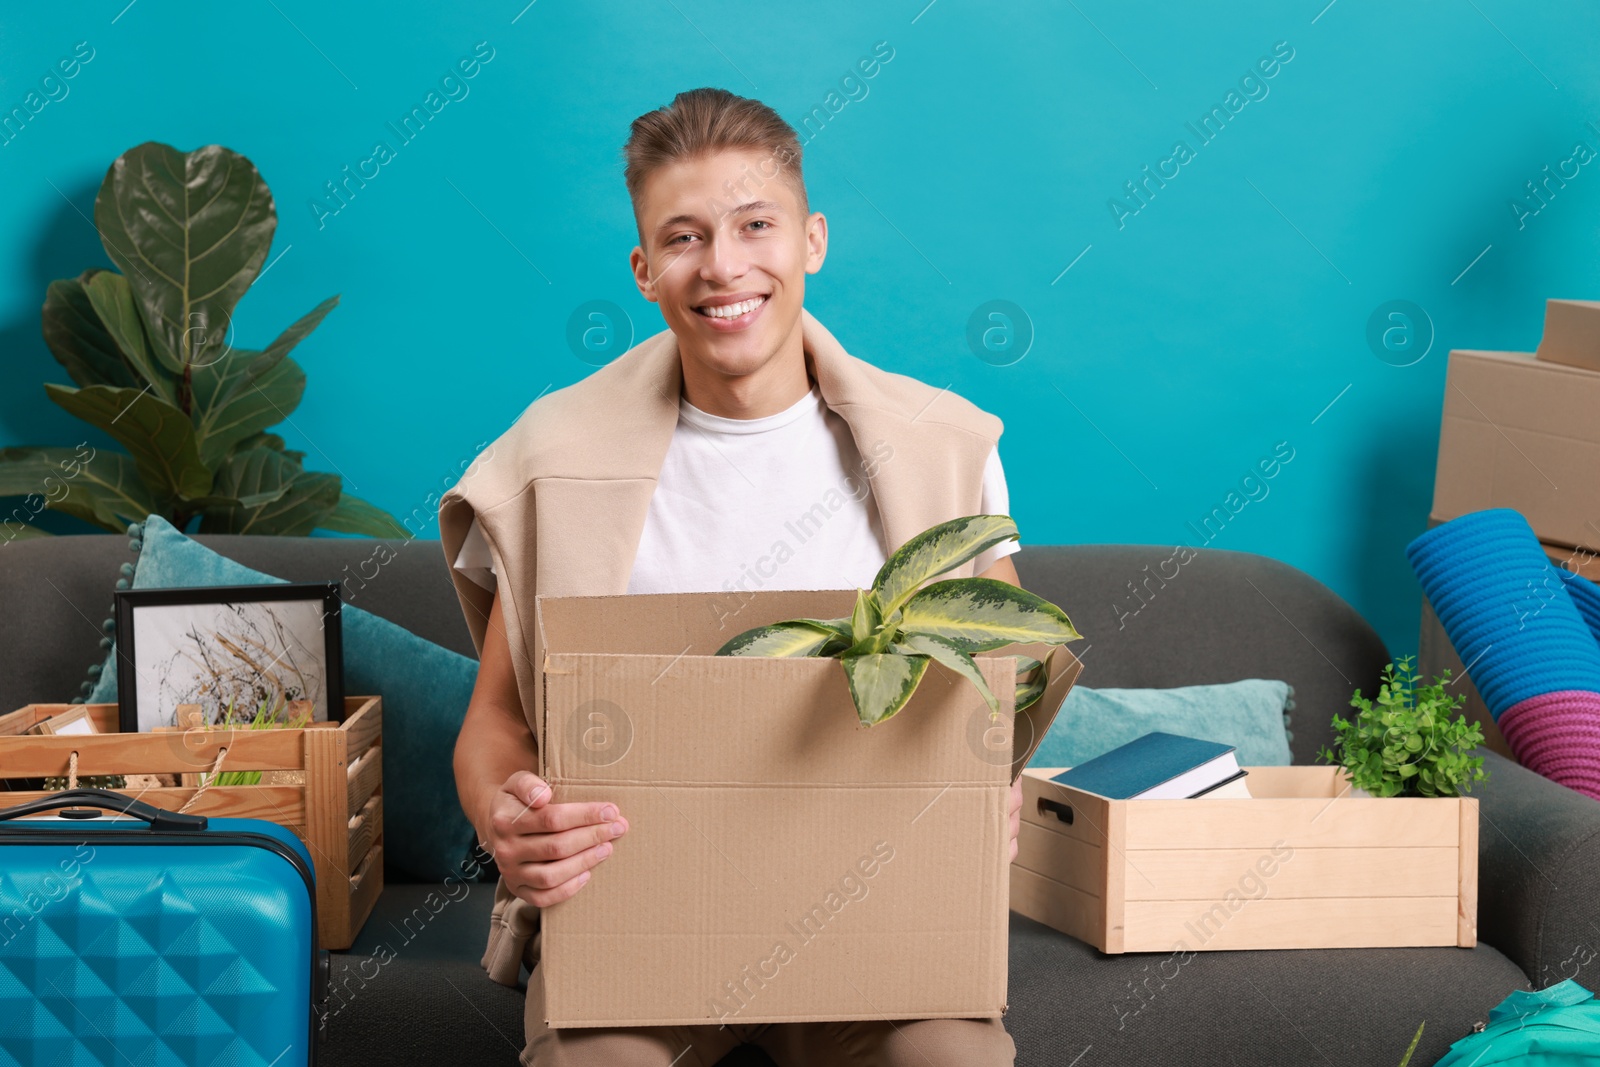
(779, 502)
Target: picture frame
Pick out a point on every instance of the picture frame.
(238, 644)
(74, 720)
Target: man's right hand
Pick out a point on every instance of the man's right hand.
(546, 851)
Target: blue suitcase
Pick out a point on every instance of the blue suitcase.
(154, 939)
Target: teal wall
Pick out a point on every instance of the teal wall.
(1194, 335)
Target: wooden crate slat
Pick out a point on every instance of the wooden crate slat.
(363, 777)
(1315, 922)
(1207, 874)
(1467, 875)
(152, 753)
(363, 727)
(1259, 823)
(283, 804)
(364, 828)
(1068, 860)
(1053, 903)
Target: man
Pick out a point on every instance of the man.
(684, 466)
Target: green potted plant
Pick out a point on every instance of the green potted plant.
(898, 626)
(1407, 742)
(148, 349)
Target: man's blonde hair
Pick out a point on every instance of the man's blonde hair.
(699, 122)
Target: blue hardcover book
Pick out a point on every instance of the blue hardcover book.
(1157, 766)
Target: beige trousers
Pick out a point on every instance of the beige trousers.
(901, 1043)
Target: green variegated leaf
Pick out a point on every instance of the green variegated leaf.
(79, 340)
(98, 487)
(980, 614)
(158, 435)
(865, 617)
(796, 637)
(353, 515)
(936, 550)
(112, 300)
(881, 683)
(1029, 693)
(949, 654)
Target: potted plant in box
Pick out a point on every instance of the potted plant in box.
(898, 627)
(1406, 742)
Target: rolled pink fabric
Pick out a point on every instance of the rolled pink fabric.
(1558, 735)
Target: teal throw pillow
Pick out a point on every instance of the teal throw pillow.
(1252, 715)
(425, 690)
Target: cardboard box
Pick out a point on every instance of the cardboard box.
(1300, 865)
(1571, 333)
(783, 863)
(1524, 433)
(1435, 653)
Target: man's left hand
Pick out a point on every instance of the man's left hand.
(1016, 814)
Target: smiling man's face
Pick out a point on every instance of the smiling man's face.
(725, 255)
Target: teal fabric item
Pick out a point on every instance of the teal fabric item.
(1559, 1025)
(1252, 715)
(425, 690)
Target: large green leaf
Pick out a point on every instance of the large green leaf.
(936, 550)
(159, 436)
(979, 614)
(796, 637)
(190, 230)
(113, 301)
(262, 491)
(951, 655)
(96, 486)
(353, 515)
(79, 340)
(240, 395)
(882, 682)
(301, 328)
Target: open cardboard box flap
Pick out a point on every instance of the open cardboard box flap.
(783, 862)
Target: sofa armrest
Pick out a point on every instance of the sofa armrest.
(1538, 871)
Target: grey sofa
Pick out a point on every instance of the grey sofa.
(411, 991)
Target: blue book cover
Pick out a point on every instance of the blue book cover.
(1143, 764)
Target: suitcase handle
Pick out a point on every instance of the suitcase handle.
(158, 818)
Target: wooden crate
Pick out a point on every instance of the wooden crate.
(336, 808)
(1300, 865)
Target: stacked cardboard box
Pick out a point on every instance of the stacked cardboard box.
(1522, 430)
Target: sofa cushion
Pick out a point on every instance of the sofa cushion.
(1250, 714)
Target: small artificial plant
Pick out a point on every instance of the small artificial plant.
(898, 626)
(155, 370)
(268, 715)
(1407, 741)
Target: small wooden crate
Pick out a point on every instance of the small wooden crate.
(1300, 865)
(336, 808)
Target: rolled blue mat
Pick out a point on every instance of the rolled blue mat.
(1586, 595)
(1505, 608)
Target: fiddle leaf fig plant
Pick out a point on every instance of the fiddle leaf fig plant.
(1406, 742)
(154, 368)
(899, 625)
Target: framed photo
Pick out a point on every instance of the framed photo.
(229, 649)
(72, 721)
